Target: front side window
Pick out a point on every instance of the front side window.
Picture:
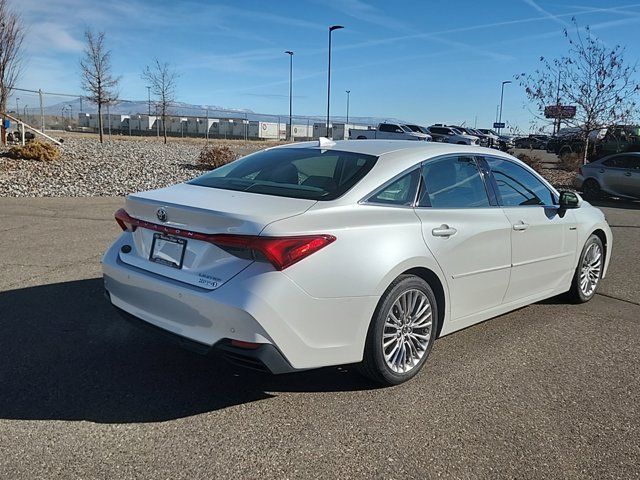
(387, 127)
(453, 182)
(517, 186)
(307, 173)
(399, 192)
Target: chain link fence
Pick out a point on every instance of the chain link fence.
(44, 110)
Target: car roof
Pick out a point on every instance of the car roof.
(383, 147)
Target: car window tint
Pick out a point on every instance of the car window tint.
(629, 161)
(291, 172)
(517, 186)
(399, 192)
(386, 127)
(453, 182)
(613, 162)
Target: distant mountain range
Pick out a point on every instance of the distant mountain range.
(186, 109)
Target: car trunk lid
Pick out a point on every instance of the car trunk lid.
(166, 241)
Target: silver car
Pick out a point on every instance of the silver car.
(617, 175)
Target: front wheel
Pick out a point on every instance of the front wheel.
(402, 331)
(589, 271)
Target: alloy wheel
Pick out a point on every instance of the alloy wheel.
(407, 331)
(590, 270)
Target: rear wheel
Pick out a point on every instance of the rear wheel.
(591, 189)
(589, 271)
(402, 331)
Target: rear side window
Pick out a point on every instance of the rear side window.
(399, 192)
(453, 182)
(517, 186)
(623, 161)
(307, 173)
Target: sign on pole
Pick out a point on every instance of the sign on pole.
(498, 125)
(560, 111)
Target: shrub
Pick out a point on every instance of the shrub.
(214, 156)
(36, 150)
(571, 161)
(533, 162)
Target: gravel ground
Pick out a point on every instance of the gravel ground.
(114, 168)
(124, 165)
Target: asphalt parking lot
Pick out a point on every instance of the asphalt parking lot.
(551, 390)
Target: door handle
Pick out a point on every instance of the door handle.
(520, 226)
(627, 174)
(601, 170)
(443, 231)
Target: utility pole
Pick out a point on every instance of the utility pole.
(290, 53)
(149, 97)
(331, 29)
(347, 122)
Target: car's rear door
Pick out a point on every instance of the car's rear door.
(543, 238)
(467, 233)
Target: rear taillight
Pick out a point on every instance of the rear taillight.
(127, 223)
(281, 252)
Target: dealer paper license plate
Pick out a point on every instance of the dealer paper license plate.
(168, 250)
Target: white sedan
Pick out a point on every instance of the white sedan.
(327, 253)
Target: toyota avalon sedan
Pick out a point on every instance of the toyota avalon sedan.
(328, 253)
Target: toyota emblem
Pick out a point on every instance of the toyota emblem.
(162, 214)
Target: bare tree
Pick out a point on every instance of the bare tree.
(97, 79)
(11, 38)
(592, 77)
(162, 80)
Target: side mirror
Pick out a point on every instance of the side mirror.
(569, 200)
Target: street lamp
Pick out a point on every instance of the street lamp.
(347, 122)
(501, 98)
(290, 53)
(331, 29)
(17, 107)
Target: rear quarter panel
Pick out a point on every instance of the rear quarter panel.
(374, 244)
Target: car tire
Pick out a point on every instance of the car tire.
(588, 272)
(591, 189)
(361, 137)
(395, 351)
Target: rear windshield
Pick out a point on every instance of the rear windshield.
(292, 172)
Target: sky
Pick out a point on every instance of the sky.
(428, 61)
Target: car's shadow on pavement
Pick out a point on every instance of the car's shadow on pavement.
(65, 354)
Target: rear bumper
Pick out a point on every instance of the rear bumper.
(258, 305)
(266, 357)
(578, 180)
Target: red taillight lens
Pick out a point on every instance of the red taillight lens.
(127, 223)
(281, 252)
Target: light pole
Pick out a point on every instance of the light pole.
(290, 53)
(149, 97)
(17, 107)
(70, 112)
(501, 98)
(331, 29)
(347, 122)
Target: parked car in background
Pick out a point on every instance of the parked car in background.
(419, 129)
(483, 140)
(617, 175)
(538, 142)
(494, 137)
(388, 131)
(506, 142)
(618, 138)
(446, 134)
(327, 253)
(567, 140)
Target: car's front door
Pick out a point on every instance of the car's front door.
(467, 233)
(630, 180)
(612, 174)
(543, 238)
